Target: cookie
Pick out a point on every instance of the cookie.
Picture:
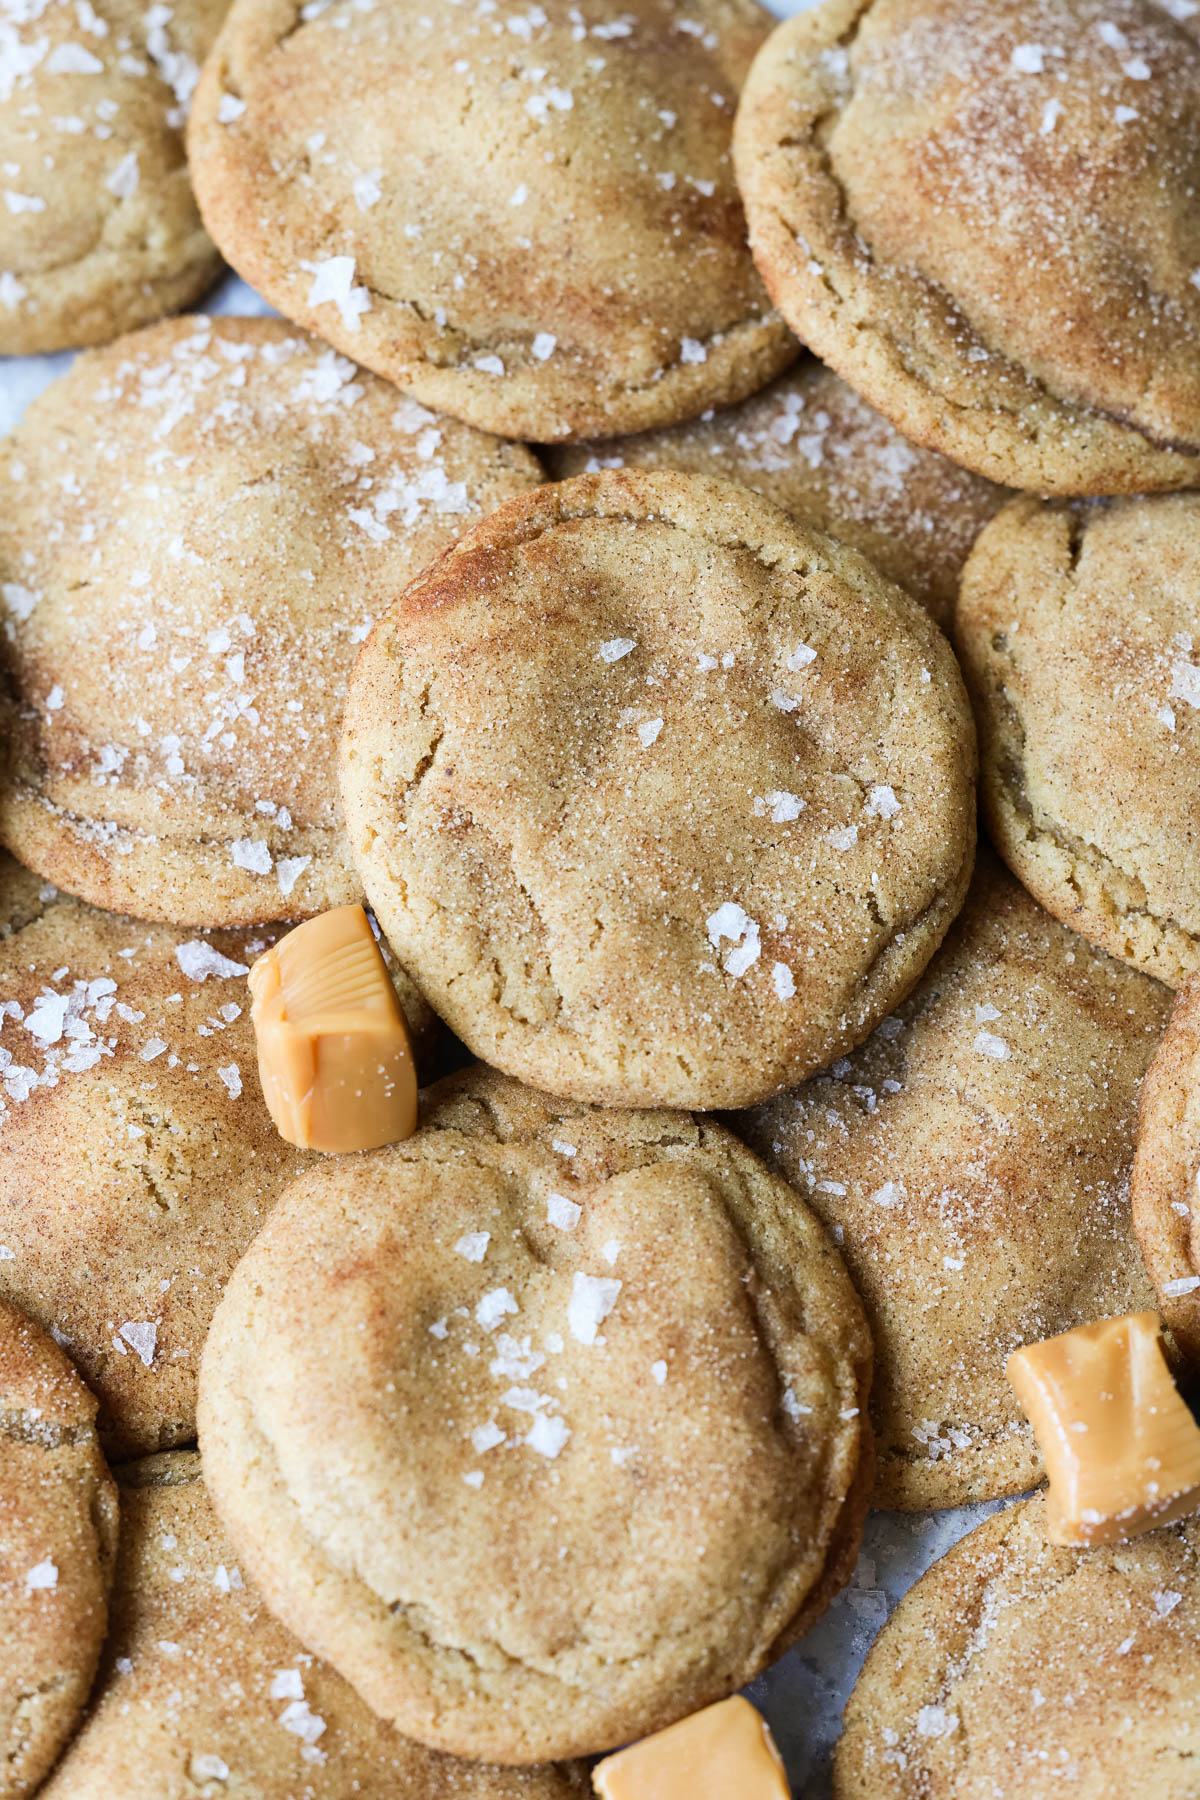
(812, 446)
(58, 1538)
(543, 1427)
(661, 797)
(99, 231)
(1075, 631)
(972, 1159)
(1017, 1667)
(1165, 1170)
(186, 581)
(983, 216)
(528, 220)
(203, 1694)
(137, 1157)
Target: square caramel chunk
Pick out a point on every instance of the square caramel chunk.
(725, 1750)
(1122, 1449)
(334, 1055)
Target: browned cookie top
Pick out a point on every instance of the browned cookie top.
(198, 527)
(982, 214)
(58, 1537)
(546, 1426)
(526, 216)
(99, 231)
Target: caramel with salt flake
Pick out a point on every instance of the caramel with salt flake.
(334, 1056)
(1122, 1450)
(722, 1752)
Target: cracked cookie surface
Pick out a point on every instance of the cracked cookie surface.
(809, 443)
(982, 215)
(58, 1540)
(186, 581)
(528, 219)
(1166, 1198)
(203, 1693)
(137, 1157)
(973, 1161)
(1017, 1667)
(99, 231)
(660, 797)
(547, 1426)
(1076, 628)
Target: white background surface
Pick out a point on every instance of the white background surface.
(803, 1694)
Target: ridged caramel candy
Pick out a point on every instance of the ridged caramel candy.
(1122, 1449)
(334, 1055)
(722, 1752)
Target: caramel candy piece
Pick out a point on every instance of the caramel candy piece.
(334, 1056)
(724, 1751)
(1122, 1450)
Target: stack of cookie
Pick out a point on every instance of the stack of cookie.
(765, 1116)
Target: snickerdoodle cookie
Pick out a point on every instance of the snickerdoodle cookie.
(1166, 1172)
(1077, 627)
(198, 527)
(982, 213)
(58, 1538)
(1016, 1667)
(972, 1160)
(546, 1426)
(661, 797)
(99, 231)
(527, 218)
(137, 1157)
(203, 1694)
(813, 447)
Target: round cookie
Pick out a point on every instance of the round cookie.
(563, 255)
(812, 446)
(58, 1538)
(983, 216)
(99, 230)
(972, 1160)
(203, 1694)
(544, 1427)
(186, 584)
(137, 1157)
(1166, 1197)
(661, 797)
(1017, 1667)
(1075, 629)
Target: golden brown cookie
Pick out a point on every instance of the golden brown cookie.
(982, 214)
(1018, 1668)
(812, 446)
(137, 1157)
(972, 1161)
(99, 231)
(544, 1427)
(58, 1538)
(661, 797)
(204, 1695)
(1166, 1194)
(1076, 628)
(198, 527)
(526, 219)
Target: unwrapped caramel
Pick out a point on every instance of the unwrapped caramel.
(334, 1056)
(1122, 1449)
(722, 1753)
